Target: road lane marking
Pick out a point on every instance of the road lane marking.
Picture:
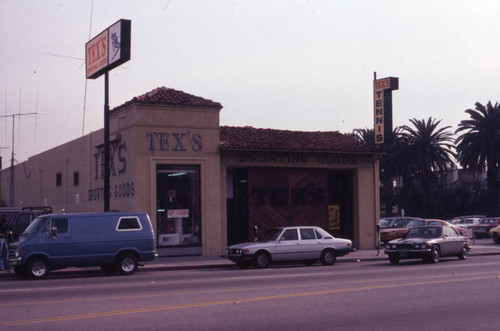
(247, 289)
(243, 300)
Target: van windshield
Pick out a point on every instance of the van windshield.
(35, 225)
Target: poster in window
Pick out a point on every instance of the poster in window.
(333, 217)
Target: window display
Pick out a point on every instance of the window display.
(178, 205)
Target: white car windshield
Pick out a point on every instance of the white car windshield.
(270, 235)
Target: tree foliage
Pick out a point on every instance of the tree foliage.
(478, 146)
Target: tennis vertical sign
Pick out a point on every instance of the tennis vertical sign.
(382, 103)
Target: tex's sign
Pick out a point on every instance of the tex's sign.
(108, 49)
(382, 101)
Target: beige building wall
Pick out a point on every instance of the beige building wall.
(145, 136)
(158, 130)
(365, 183)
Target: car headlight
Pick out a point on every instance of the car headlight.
(393, 246)
(387, 246)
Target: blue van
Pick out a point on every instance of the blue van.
(112, 240)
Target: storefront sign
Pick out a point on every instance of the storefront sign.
(118, 167)
(297, 158)
(174, 141)
(121, 190)
(108, 49)
(117, 160)
(382, 100)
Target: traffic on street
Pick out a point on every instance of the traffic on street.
(363, 291)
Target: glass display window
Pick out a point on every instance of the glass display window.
(178, 205)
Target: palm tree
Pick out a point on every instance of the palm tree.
(478, 146)
(366, 135)
(425, 152)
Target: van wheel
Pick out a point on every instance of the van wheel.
(37, 268)
(126, 264)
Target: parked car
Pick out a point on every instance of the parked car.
(434, 222)
(396, 221)
(394, 227)
(115, 241)
(468, 222)
(20, 217)
(428, 243)
(290, 243)
(482, 229)
(495, 234)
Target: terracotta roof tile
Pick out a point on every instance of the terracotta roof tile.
(249, 138)
(168, 96)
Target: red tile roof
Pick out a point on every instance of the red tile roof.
(252, 139)
(171, 97)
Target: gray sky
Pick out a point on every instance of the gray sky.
(282, 64)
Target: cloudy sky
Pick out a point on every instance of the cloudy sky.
(282, 64)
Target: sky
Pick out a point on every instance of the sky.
(281, 64)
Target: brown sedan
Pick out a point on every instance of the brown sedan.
(396, 233)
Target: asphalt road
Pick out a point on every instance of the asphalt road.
(372, 295)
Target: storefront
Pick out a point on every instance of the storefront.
(203, 185)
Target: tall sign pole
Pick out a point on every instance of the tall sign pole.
(382, 111)
(106, 194)
(103, 53)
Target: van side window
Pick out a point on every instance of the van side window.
(129, 223)
(60, 223)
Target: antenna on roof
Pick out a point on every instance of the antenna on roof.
(85, 93)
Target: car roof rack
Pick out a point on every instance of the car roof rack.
(43, 209)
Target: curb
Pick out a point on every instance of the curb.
(216, 264)
(230, 264)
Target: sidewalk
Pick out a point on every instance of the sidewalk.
(478, 248)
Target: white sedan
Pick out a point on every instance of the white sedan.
(290, 243)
